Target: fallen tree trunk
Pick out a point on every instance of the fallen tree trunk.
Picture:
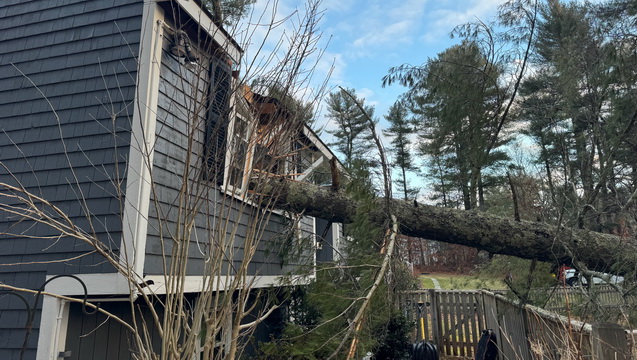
(529, 240)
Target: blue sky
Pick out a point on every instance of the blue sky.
(363, 39)
(369, 37)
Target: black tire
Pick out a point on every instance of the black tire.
(573, 281)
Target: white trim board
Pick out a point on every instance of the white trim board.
(140, 160)
(205, 23)
(114, 284)
(53, 326)
(195, 283)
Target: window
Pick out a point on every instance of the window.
(261, 140)
(269, 154)
(217, 122)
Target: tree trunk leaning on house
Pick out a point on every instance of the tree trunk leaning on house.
(524, 239)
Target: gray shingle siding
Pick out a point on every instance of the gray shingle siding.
(81, 55)
(175, 120)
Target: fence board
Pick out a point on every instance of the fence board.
(435, 319)
(445, 314)
(427, 315)
(457, 324)
(467, 319)
(449, 316)
(462, 334)
(566, 297)
(479, 323)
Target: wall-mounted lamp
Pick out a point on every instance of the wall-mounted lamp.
(183, 49)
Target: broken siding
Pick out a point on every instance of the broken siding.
(67, 84)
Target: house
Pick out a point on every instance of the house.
(133, 168)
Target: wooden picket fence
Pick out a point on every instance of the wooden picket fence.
(454, 321)
(560, 298)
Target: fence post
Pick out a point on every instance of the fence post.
(608, 341)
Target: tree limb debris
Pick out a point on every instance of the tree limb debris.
(356, 324)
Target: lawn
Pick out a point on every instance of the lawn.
(461, 282)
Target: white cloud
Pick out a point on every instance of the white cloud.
(334, 63)
(337, 5)
(392, 33)
(443, 20)
(368, 95)
(376, 24)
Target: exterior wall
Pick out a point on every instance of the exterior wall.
(180, 132)
(95, 337)
(64, 140)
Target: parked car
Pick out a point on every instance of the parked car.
(573, 278)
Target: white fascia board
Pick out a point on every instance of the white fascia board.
(114, 284)
(206, 23)
(197, 283)
(140, 159)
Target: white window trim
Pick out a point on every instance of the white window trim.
(314, 248)
(226, 188)
(247, 166)
(336, 241)
(251, 139)
(320, 145)
(241, 192)
(311, 169)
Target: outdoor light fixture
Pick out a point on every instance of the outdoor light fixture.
(183, 49)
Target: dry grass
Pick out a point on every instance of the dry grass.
(461, 282)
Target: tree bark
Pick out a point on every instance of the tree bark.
(524, 239)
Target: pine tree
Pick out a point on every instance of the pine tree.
(399, 130)
(352, 134)
(574, 106)
(228, 12)
(456, 103)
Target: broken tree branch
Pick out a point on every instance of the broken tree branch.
(355, 325)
